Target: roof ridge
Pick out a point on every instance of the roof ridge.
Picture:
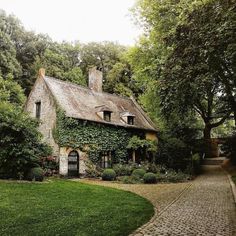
(88, 89)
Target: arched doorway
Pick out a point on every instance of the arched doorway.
(73, 164)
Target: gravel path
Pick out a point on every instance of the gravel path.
(203, 207)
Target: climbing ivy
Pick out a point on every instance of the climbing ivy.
(91, 137)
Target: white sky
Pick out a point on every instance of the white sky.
(83, 20)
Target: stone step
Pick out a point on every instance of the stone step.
(213, 161)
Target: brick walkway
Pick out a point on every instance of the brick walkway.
(205, 208)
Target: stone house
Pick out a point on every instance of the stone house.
(87, 106)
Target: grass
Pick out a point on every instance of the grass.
(63, 207)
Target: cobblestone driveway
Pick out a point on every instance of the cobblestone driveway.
(205, 208)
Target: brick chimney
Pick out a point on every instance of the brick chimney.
(95, 79)
(41, 73)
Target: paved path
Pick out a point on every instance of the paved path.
(205, 208)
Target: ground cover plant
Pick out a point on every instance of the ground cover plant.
(63, 207)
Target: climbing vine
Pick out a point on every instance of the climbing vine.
(91, 137)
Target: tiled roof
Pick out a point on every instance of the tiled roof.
(83, 103)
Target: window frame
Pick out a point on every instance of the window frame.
(107, 114)
(130, 120)
(38, 109)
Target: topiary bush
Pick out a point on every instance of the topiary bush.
(108, 175)
(149, 178)
(139, 173)
(36, 174)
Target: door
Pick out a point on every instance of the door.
(73, 164)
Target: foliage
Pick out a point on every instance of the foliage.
(139, 173)
(20, 141)
(133, 179)
(109, 175)
(196, 164)
(172, 150)
(11, 92)
(92, 171)
(172, 176)
(149, 178)
(128, 169)
(50, 165)
(36, 174)
(122, 169)
(92, 138)
(24, 52)
(8, 62)
(230, 147)
(89, 210)
(192, 65)
(61, 61)
(136, 142)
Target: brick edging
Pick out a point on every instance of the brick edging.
(233, 187)
(157, 214)
(232, 184)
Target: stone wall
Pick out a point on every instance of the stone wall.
(40, 93)
(151, 136)
(63, 165)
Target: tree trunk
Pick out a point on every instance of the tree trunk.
(207, 131)
(234, 111)
(133, 156)
(211, 147)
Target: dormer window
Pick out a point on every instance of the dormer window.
(104, 112)
(37, 110)
(127, 117)
(130, 120)
(107, 116)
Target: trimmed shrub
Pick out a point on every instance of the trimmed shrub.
(36, 174)
(108, 175)
(149, 178)
(139, 173)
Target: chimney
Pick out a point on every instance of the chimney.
(41, 73)
(95, 79)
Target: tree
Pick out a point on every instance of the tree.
(62, 61)
(158, 19)
(189, 78)
(8, 62)
(109, 58)
(20, 141)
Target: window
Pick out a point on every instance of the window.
(107, 115)
(106, 161)
(130, 120)
(38, 110)
(127, 117)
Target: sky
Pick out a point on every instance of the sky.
(82, 20)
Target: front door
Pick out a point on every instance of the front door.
(73, 164)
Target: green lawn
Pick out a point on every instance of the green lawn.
(63, 207)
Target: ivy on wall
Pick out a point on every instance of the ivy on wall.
(93, 138)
